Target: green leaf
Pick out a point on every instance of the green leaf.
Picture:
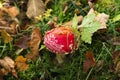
(89, 26)
(75, 21)
(87, 20)
(116, 18)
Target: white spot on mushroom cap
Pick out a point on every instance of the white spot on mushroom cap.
(71, 46)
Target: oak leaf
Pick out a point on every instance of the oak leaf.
(21, 64)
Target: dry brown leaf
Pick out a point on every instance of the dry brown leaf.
(22, 42)
(9, 61)
(35, 8)
(101, 17)
(5, 65)
(6, 37)
(34, 44)
(8, 66)
(21, 64)
(12, 11)
(8, 20)
(89, 62)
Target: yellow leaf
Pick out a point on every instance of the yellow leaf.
(6, 37)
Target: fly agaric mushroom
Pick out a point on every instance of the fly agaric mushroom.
(60, 40)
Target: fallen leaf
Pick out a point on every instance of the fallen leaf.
(100, 17)
(8, 66)
(21, 64)
(22, 42)
(5, 65)
(12, 11)
(89, 26)
(6, 37)
(89, 61)
(91, 23)
(35, 8)
(34, 44)
(9, 61)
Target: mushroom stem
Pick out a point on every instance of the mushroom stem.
(60, 58)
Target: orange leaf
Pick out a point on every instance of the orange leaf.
(21, 64)
(89, 62)
(34, 44)
(12, 11)
(6, 37)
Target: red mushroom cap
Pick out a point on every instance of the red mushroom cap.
(60, 40)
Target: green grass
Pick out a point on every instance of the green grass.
(46, 68)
